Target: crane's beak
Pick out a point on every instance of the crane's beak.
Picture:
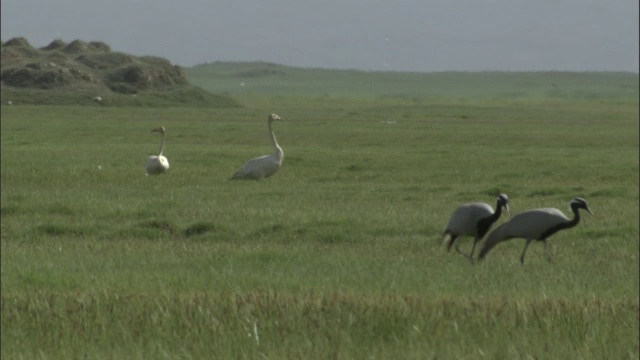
(506, 206)
(589, 210)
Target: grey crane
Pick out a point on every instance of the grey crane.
(536, 224)
(473, 219)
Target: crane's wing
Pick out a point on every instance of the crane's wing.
(464, 220)
(530, 225)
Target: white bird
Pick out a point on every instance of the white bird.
(473, 219)
(157, 164)
(536, 224)
(263, 166)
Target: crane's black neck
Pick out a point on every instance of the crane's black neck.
(564, 225)
(485, 223)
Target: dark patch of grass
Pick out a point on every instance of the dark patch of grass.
(200, 228)
(59, 230)
(10, 210)
(270, 230)
(164, 226)
(354, 168)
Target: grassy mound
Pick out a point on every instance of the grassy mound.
(90, 73)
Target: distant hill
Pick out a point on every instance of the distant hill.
(237, 78)
(90, 73)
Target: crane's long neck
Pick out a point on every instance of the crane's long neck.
(485, 223)
(279, 152)
(573, 222)
(496, 215)
(161, 145)
(563, 225)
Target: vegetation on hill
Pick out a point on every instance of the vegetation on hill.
(90, 73)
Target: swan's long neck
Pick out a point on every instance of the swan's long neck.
(161, 145)
(279, 152)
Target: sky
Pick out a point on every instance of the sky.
(371, 35)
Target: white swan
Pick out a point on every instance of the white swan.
(263, 166)
(157, 164)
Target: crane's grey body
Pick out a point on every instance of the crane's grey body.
(536, 224)
(473, 219)
(263, 166)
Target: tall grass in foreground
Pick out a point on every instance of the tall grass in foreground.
(338, 255)
(314, 325)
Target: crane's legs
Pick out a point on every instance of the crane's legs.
(473, 248)
(453, 239)
(525, 250)
(465, 255)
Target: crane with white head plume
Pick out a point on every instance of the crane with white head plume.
(473, 219)
(157, 164)
(536, 224)
(263, 166)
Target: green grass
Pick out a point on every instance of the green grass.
(238, 78)
(339, 254)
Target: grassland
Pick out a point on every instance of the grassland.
(338, 255)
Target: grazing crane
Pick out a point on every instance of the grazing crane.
(157, 164)
(263, 166)
(473, 219)
(536, 224)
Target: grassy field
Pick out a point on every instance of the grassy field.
(339, 254)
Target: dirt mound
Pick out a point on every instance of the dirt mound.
(44, 75)
(106, 60)
(55, 45)
(134, 78)
(89, 73)
(17, 50)
(18, 41)
(81, 63)
(76, 47)
(99, 46)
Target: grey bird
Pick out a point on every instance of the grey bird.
(536, 224)
(473, 219)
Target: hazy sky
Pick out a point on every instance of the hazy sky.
(401, 35)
